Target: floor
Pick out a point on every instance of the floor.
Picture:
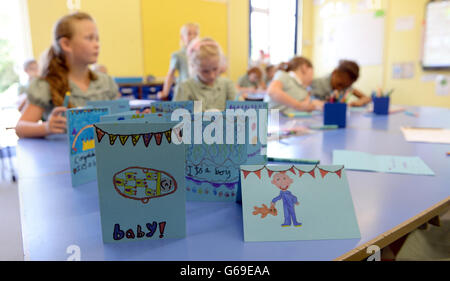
(11, 248)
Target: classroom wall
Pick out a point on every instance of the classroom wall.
(238, 38)
(405, 46)
(307, 30)
(161, 23)
(119, 26)
(399, 46)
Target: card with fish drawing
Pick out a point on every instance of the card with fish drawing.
(140, 181)
(212, 169)
(80, 133)
(296, 202)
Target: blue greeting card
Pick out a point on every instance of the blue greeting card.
(141, 181)
(212, 169)
(116, 106)
(133, 116)
(170, 106)
(257, 127)
(80, 133)
(297, 202)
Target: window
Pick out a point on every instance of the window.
(273, 30)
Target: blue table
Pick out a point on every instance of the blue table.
(388, 206)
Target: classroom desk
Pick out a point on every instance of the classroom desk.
(56, 216)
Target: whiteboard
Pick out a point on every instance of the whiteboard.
(436, 48)
(358, 37)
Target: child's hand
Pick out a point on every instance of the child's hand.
(318, 104)
(297, 203)
(145, 111)
(56, 123)
(161, 95)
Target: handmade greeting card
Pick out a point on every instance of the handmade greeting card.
(212, 163)
(257, 128)
(212, 169)
(141, 181)
(81, 136)
(116, 106)
(296, 202)
(170, 106)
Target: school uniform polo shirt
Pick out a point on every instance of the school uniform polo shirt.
(292, 86)
(179, 61)
(321, 88)
(103, 88)
(244, 82)
(212, 97)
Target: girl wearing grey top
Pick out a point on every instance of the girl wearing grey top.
(75, 46)
(287, 91)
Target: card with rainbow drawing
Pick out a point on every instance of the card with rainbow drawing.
(80, 133)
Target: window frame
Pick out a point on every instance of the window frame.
(251, 9)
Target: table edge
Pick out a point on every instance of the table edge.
(359, 253)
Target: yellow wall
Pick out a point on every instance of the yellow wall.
(119, 25)
(238, 38)
(399, 46)
(405, 46)
(307, 28)
(161, 23)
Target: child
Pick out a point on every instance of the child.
(75, 46)
(270, 72)
(287, 91)
(32, 70)
(252, 81)
(178, 61)
(206, 86)
(338, 85)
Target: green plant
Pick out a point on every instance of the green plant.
(7, 74)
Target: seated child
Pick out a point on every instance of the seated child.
(337, 86)
(75, 46)
(206, 85)
(252, 81)
(287, 91)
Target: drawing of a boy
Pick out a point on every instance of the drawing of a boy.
(282, 181)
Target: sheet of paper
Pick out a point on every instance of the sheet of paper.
(141, 181)
(356, 160)
(80, 133)
(405, 23)
(296, 202)
(427, 135)
(443, 85)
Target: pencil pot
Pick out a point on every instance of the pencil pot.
(381, 105)
(335, 114)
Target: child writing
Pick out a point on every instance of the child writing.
(206, 85)
(178, 60)
(287, 91)
(66, 70)
(252, 81)
(337, 86)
